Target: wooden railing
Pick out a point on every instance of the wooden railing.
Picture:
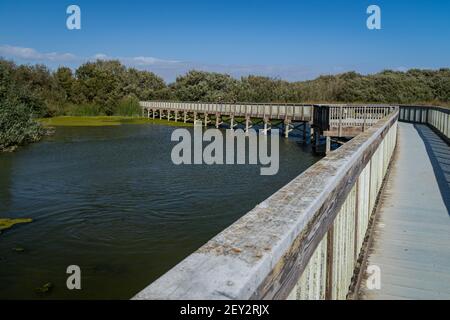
(436, 117)
(301, 112)
(302, 242)
(348, 120)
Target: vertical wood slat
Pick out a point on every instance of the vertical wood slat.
(312, 283)
(329, 264)
(356, 221)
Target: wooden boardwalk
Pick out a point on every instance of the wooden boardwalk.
(411, 238)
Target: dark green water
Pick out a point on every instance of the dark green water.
(109, 200)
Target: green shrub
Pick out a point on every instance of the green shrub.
(128, 106)
(17, 126)
(84, 110)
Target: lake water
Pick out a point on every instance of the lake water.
(109, 200)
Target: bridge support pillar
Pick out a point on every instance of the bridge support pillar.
(316, 140)
(287, 127)
(327, 145)
(206, 119)
(176, 116)
(267, 126)
(248, 124)
(160, 114)
(232, 124)
(195, 117)
(305, 135)
(218, 120)
(185, 116)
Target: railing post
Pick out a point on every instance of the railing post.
(341, 115)
(327, 145)
(365, 119)
(304, 133)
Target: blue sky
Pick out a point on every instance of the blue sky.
(293, 40)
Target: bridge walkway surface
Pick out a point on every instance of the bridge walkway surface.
(411, 236)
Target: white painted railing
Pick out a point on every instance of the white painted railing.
(357, 116)
(334, 260)
(348, 120)
(437, 117)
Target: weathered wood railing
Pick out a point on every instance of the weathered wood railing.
(436, 117)
(301, 112)
(302, 242)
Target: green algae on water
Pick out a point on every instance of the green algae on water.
(6, 223)
(101, 121)
(46, 288)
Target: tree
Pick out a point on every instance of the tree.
(204, 86)
(142, 84)
(17, 126)
(101, 83)
(65, 80)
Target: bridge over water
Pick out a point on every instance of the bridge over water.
(382, 199)
(311, 122)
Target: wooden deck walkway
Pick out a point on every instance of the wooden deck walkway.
(411, 239)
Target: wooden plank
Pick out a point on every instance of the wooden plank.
(412, 233)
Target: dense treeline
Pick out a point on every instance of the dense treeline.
(110, 88)
(413, 86)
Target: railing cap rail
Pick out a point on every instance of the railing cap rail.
(437, 108)
(239, 103)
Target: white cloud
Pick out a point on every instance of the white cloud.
(101, 56)
(141, 61)
(31, 54)
(34, 55)
(402, 69)
(168, 69)
(149, 61)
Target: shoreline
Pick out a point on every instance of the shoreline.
(101, 121)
